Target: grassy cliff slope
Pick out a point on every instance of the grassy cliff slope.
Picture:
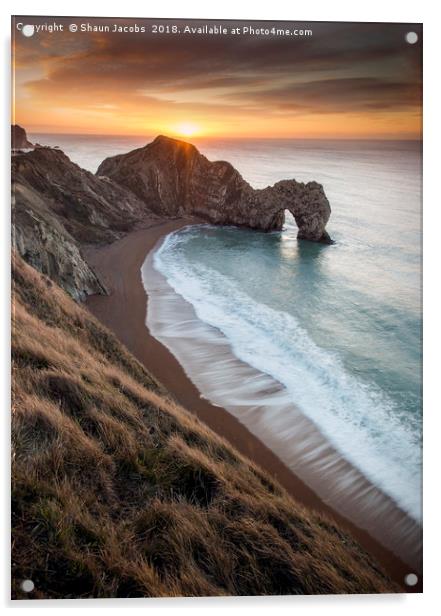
(119, 492)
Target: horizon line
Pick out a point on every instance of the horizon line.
(199, 137)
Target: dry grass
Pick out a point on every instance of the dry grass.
(118, 492)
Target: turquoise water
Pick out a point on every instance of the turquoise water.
(338, 326)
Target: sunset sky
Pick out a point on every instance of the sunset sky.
(345, 81)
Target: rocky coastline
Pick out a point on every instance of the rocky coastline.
(60, 208)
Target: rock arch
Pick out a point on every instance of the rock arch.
(173, 179)
(306, 202)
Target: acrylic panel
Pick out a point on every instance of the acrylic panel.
(216, 341)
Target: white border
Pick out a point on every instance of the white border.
(337, 10)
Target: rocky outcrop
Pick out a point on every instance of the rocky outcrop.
(19, 139)
(91, 209)
(172, 178)
(45, 244)
(57, 207)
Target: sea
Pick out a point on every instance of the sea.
(322, 343)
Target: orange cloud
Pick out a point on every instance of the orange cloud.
(348, 80)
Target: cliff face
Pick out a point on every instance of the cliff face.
(57, 206)
(172, 178)
(91, 209)
(45, 244)
(19, 138)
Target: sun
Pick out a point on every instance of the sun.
(187, 129)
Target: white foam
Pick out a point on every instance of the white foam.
(360, 421)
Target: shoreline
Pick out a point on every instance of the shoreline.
(119, 265)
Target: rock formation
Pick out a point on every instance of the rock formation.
(172, 178)
(57, 206)
(19, 139)
(91, 209)
(45, 244)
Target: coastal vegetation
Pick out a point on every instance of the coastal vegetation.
(119, 492)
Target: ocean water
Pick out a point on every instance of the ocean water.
(333, 333)
(339, 327)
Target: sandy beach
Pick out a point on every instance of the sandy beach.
(124, 312)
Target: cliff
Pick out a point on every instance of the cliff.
(19, 138)
(57, 207)
(119, 492)
(92, 210)
(172, 178)
(44, 243)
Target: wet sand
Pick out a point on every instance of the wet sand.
(124, 312)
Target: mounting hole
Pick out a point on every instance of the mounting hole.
(411, 579)
(27, 586)
(28, 30)
(411, 38)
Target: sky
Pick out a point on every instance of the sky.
(346, 81)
